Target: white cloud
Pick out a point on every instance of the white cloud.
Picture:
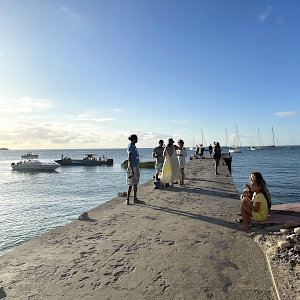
(69, 13)
(265, 14)
(180, 121)
(88, 117)
(22, 105)
(286, 113)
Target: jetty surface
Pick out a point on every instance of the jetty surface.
(182, 243)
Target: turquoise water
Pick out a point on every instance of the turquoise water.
(34, 203)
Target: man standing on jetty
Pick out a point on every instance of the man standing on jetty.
(158, 154)
(133, 173)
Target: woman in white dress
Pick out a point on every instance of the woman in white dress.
(170, 170)
(181, 155)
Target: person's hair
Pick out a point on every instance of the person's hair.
(170, 142)
(261, 183)
(132, 137)
(161, 141)
(258, 176)
(218, 144)
(181, 142)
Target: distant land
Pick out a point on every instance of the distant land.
(4, 149)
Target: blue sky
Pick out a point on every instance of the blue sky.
(85, 74)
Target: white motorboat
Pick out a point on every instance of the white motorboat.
(34, 165)
(30, 155)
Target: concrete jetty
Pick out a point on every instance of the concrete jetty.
(182, 243)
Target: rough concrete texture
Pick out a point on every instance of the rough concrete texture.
(182, 243)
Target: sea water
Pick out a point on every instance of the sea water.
(32, 203)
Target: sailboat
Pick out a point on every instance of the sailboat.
(273, 137)
(235, 148)
(292, 145)
(226, 146)
(193, 147)
(253, 148)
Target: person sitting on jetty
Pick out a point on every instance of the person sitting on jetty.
(181, 155)
(252, 177)
(158, 154)
(133, 173)
(257, 207)
(170, 170)
(217, 156)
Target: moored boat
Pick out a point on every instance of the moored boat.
(88, 160)
(142, 164)
(34, 165)
(30, 155)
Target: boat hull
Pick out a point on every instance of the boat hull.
(33, 166)
(142, 164)
(81, 162)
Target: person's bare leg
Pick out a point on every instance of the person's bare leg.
(128, 194)
(156, 176)
(246, 213)
(135, 199)
(182, 176)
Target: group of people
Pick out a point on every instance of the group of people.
(170, 162)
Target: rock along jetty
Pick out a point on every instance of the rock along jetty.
(182, 243)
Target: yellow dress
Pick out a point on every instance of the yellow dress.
(170, 170)
(263, 212)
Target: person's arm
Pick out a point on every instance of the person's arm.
(256, 207)
(130, 161)
(248, 187)
(164, 153)
(154, 154)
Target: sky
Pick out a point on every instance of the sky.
(86, 74)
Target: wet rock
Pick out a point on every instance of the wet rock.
(284, 244)
(84, 216)
(122, 194)
(297, 248)
(292, 238)
(284, 231)
(297, 230)
(291, 224)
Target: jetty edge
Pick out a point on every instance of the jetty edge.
(182, 243)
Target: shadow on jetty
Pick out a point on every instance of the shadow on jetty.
(2, 294)
(222, 193)
(220, 222)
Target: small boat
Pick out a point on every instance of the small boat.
(235, 148)
(88, 160)
(142, 164)
(30, 155)
(34, 165)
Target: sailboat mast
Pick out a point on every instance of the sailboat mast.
(226, 138)
(273, 137)
(258, 137)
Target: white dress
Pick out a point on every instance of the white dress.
(181, 159)
(170, 170)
